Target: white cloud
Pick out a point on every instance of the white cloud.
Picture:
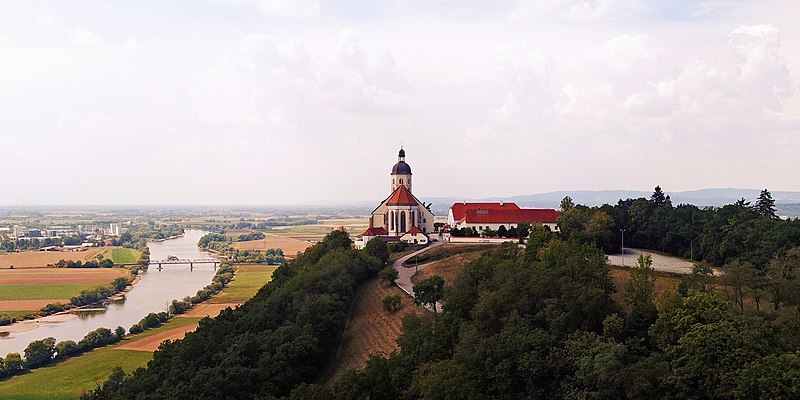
(45, 17)
(84, 36)
(284, 8)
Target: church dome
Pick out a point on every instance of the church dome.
(401, 168)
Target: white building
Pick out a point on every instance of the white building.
(401, 212)
(494, 215)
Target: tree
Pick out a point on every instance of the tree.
(566, 204)
(388, 275)
(765, 205)
(639, 294)
(40, 352)
(430, 291)
(392, 303)
(658, 198)
(736, 279)
(378, 249)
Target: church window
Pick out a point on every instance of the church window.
(392, 227)
(401, 181)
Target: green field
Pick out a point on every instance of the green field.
(122, 255)
(42, 292)
(248, 279)
(17, 313)
(67, 379)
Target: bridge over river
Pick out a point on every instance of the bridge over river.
(182, 261)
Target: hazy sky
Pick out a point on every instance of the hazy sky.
(280, 101)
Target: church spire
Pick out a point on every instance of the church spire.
(401, 156)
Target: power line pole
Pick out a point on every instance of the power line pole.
(623, 247)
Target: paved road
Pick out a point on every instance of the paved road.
(404, 279)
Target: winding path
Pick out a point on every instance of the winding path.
(405, 273)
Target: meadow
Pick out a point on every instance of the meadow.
(122, 255)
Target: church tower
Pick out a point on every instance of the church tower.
(401, 172)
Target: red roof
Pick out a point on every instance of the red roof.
(459, 209)
(380, 231)
(498, 216)
(414, 230)
(401, 197)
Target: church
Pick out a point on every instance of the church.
(401, 216)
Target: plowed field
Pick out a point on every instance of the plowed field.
(35, 259)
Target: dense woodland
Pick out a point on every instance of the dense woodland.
(521, 324)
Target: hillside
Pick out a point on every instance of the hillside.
(371, 330)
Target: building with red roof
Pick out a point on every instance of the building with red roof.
(401, 215)
(494, 215)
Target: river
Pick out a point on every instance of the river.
(153, 293)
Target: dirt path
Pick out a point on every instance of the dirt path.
(207, 310)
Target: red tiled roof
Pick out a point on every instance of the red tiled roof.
(496, 216)
(459, 209)
(380, 231)
(414, 230)
(401, 197)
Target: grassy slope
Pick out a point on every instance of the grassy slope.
(66, 379)
(41, 292)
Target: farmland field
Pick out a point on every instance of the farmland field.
(39, 292)
(290, 246)
(122, 255)
(38, 259)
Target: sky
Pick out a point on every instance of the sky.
(259, 102)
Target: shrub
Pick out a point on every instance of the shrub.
(120, 332)
(6, 320)
(135, 328)
(392, 303)
(40, 352)
(67, 348)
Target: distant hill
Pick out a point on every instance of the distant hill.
(788, 203)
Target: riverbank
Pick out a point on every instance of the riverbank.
(67, 379)
(153, 290)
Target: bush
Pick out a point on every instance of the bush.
(179, 307)
(40, 352)
(135, 328)
(120, 332)
(392, 303)
(6, 320)
(54, 308)
(11, 365)
(97, 338)
(120, 284)
(397, 247)
(67, 348)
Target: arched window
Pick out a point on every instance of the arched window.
(391, 228)
(402, 220)
(401, 181)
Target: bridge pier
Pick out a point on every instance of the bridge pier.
(191, 266)
(159, 266)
